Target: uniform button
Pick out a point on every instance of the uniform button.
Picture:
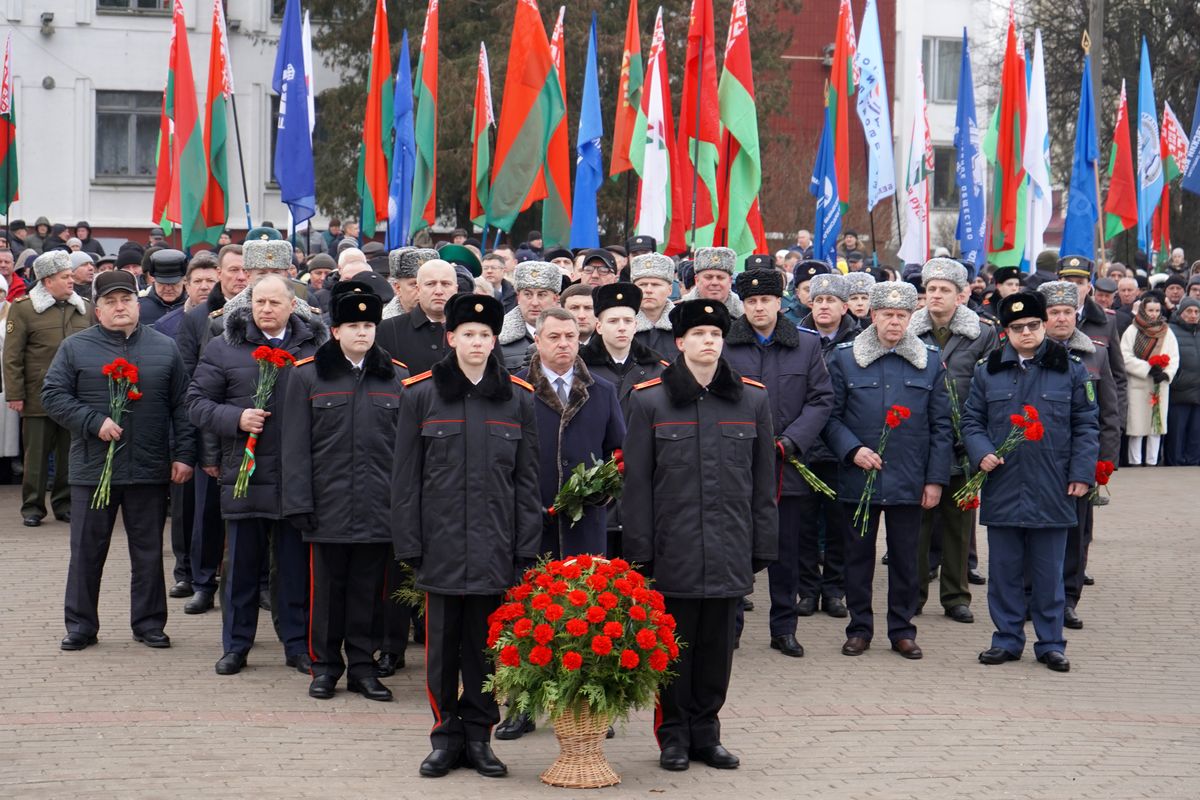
(439, 432)
(433, 347)
(740, 434)
(887, 386)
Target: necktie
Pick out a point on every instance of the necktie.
(275, 342)
(560, 386)
(357, 372)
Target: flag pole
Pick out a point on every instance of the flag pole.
(1101, 255)
(628, 191)
(871, 213)
(237, 133)
(696, 148)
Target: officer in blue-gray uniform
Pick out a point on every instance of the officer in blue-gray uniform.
(886, 366)
(1029, 500)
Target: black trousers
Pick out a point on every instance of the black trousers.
(344, 580)
(143, 510)
(832, 514)
(252, 543)
(903, 530)
(183, 512)
(208, 533)
(455, 644)
(688, 707)
(1079, 537)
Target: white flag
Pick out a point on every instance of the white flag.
(1036, 157)
(874, 110)
(655, 193)
(915, 247)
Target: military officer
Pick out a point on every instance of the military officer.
(713, 268)
(858, 295)
(654, 274)
(1029, 500)
(1097, 324)
(538, 285)
(402, 276)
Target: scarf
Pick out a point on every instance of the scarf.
(1149, 334)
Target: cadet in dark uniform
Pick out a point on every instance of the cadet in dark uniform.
(766, 346)
(1028, 502)
(466, 515)
(700, 516)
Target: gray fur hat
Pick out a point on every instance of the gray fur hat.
(1060, 293)
(51, 263)
(858, 283)
(894, 294)
(944, 269)
(405, 261)
(538, 275)
(722, 258)
(652, 265)
(266, 254)
(834, 285)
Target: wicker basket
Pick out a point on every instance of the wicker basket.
(581, 763)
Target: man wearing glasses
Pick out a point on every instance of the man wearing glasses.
(599, 268)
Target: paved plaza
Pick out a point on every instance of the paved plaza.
(120, 720)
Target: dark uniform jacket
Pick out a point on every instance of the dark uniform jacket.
(198, 326)
(699, 502)
(465, 499)
(820, 453)
(152, 307)
(587, 430)
(1185, 386)
(1104, 389)
(1030, 489)
(76, 396)
(867, 381)
(339, 434)
(514, 343)
(797, 382)
(223, 386)
(414, 339)
(640, 365)
(1101, 327)
(37, 325)
(658, 336)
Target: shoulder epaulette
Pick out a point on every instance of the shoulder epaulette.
(933, 348)
(844, 345)
(751, 382)
(399, 363)
(1074, 358)
(216, 313)
(144, 292)
(417, 378)
(1110, 312)
(316, 312)
(988, 320)
(807, 330)
(522, 383)
(664, 363)
(647, 384)
(304, 361)
(981, 361)
(21, 299)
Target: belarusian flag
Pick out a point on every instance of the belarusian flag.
(220, 87)
(1007, 186)
(481, 151)
(843, 83)
(1120, 205)
(660, 202)
(374, 152)
(740, 223)
(189, 173)
(530, 111)
(424, 202)
(556, 208)
(699, 128)
(8, 133)
(1173, 145)
(162, 160)
(629, 101)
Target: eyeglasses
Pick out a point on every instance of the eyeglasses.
(596, 268)
(1028, 326)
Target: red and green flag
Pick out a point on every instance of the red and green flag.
(424, 203)
(530, 111)
(629, 101)
(556, 208)
(481, 151)
(1120, 205)
(189, 172)
(699, 128)
(740, 224)
(1009, 153)
(843, 82)
(374, 151)
(8, 133)
(220, 87)
(660, 202)
(1173, 147)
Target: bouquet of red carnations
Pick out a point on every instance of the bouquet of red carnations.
(270, 361)
(1104, 471)
(862, 515)
(1026, 427)
(122, 390)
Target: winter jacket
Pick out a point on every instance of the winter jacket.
(1101, 327)
(198, 326)
(1139, 420)
(36, 328)
(658, 336)
(642, 364)
(1094, 358)
(76, 396)
(153, 308)
(1185, 386)
(820, 453)
(414, 339)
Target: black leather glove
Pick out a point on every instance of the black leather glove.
(759, 564)
(1158, 374)
(789, 447)
(305, 523)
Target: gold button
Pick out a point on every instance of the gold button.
(479, 308)
(754, 282)
(620, 296)
(1018, 306)
(362, 306)
(708, 309)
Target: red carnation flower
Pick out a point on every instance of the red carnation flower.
(1030, 412)
(902, 411)
(108, 370)
(262, 353)
(578, 597)
(543, 633)
(597, 582)
(1034, 432)
(494, 631)
(892, 420)
(577, 627)
(637, 613)
(540, 656)
(601, 645)
(521, 591)
(608, 600)
(523, 627)
(540, 601)
(656, 601)
(641, 595)
(647, 638)
(658, 661)
(584, 561)
(614, 629)
(629, 659)
(553, 612)
(596, 614)
(544, 580)
(510, 656)
(667, 621)
(558, 587)
(572, 661)
(551, 511)
(623, 585)
(134, 394)
(572, 571)
(1018, 421)
(673, 650)
(619, 565)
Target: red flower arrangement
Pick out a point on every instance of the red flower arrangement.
(122, 390)
(895, 416)
(597, 485)
(1162, 361)
(1104, 472)
(1026, 427)
(609, 645)
(270, 361)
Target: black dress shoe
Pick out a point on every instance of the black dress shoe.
(480, 756)
(155, 639)
(1071, 619)
(806, 606)
(960, 613)
(674, 759)
(835, 607)
(856, 646)
(264, 600)
(387, 664)
(439, 763)
(997, 655)
(181, 589)
(908, 648)
(201, 601)
(933, 574)
(63, 517)
(975, 577)
(301, 662)
(1055, 660)
(1088, 580)
(787, 645)
(515, 727)
(231, 663)
(716, 757)
(884, 560)
(747, 604)
(77, 641)
(322, 687)
(370, 687)
(610, 733)
(31, 522)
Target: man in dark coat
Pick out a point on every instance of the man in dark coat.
(339, 437)
(766, 346)
(167, 267)
(418, 338)
(654, 274)
(1029, 500)
(538, 285)
(76, 395)
(1183, 414)
(220, 401)
(466, 516)
(884, 367)
(88, 243)
(700, 516)
(1095, 322)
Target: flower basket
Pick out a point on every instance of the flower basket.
(581, 763)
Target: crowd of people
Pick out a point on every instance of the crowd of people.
(441, 396)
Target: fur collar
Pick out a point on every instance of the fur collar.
(868, 349)
(513, 329)
(733, 303)
(242, 300)
(595, 355)
(42, 300)
(965, 323)
(1080, 343)
(392, 308)
(576, 397)
(331, 362)
(1093, 313)
(785, 334)
(643, 323)
(453, 386)
(1052, 356)
(682, 388)
(240, 329)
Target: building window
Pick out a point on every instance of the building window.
(127, 134)
(134, 5)
(945, 184)
(941, 60)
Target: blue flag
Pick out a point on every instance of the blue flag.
(293, 143)
(969, 168)
(589, 166)
(1083, 206)
(824, 187)
(1149, 154)
(1191, 175)
(873, 109)
(404, 153)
